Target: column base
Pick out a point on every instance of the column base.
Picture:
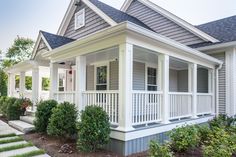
(124, 129)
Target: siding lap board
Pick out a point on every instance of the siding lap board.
(161, 24)
(93, 23)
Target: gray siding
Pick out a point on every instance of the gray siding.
(183, 80)
(93, 23)
(138, 76)
(90, 78)
(222, 83)
(202, 80)
(161, 24)
(173, 84)
(114, 75)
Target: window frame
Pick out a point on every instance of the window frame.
(81, 12)
(146, 77)
(95, 76)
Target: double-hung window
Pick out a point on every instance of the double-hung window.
(101, 77)
(151, 79)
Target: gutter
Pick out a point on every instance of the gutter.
(217, 88)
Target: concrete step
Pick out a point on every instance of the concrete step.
(12, 144)
(21, 126)
(27, 119)
(18, 151)
(43, 155)
(30, 113)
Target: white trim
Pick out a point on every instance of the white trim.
(81, 12)
(173, 18)
(71, 9)
(217, 46)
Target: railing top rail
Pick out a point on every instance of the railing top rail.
(180, 93)
(65, 92)
(100, 91)
(146, 92)
(205, 94)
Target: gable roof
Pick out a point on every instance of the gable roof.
(173, 18)
(56, 41)
(111, 15)
(223, 29)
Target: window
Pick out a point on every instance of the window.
(151, 79)
(61, 82)
(101, 78)
(80, 19)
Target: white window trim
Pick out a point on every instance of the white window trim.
(108, 74)
(82, 11)
(154, 66)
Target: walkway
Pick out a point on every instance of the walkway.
(13, 145)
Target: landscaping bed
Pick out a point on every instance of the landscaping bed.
(52, 146)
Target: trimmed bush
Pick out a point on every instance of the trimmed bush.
(156, 150)
(222, 121)
(14, 110)
(204, 133)
(184, 138)
(63, 120)
(93, 129)
(42, 115)
(2, 104)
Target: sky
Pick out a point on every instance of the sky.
(26, 17)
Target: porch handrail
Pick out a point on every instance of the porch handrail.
(207, 94)
(147, 92)
(180, 93)
(65, 92)
(100, 91)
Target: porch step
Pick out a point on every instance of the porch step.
(27, 119)
(21, 126)
(30, 113)
(18, 151)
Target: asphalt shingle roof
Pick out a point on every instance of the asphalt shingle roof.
(56, 41)
(117, 15)
(224, 30)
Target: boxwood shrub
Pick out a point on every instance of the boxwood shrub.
(3, 100)
(93, 129)
(63, 120)
(42, 115)
(157, 150)
(14, 110)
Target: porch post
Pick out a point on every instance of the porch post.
(35, 86)
(53, 79)
(193, 68)
(164, 67)
(80, 81)
(22, 84)
(211, 88)
(125, 86)
(11, 84)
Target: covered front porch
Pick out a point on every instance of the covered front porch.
(138, 80)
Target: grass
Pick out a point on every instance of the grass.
(11, 140)
(7, 135)
(30, 154)
(15, 147)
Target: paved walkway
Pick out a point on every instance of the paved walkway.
(12, 144)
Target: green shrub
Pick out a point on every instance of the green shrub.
(63, 120)
(220, 144)
(2, 103)
(184, 138)
(156, 150)
(203, 132)
(14, 110)
(43, 113)
(222, 121)
(93, 129)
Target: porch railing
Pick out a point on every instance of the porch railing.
(180, 105)
(65, 96)
(146, 107)
(204, 103)
(108, 100)
(44, 95)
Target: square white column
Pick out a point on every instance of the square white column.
(22, 84)
(125, 87)
(193, 87)
(163, 63)
(11, 84)
(53, 79)
(80, 81)
(35, 86)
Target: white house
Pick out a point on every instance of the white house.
(147, 68)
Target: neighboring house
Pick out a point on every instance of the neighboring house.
(150, 70)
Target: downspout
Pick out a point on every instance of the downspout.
(217, 88)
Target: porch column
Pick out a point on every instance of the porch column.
(163, 63)
(211, 88)
(53, 79)
(80, 81)
(35, 86)
(193, 87)
(22, 84)
(125, 86)
(11, 84)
